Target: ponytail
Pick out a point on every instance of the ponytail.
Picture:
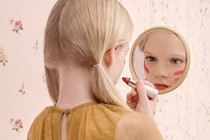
(104, 89)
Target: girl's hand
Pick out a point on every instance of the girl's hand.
(138, 100)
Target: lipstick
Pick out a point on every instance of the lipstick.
(151, 92)
(160, 86)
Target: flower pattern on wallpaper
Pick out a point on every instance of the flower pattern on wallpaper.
(35, 47)
(22, 89)
(3, 57)
(16, 25)
(17, 124)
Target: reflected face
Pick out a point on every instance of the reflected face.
(164, 59)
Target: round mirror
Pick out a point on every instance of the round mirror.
(161, 56)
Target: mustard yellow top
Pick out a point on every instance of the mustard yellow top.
(94, 121)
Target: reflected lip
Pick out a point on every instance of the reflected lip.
(160, 86)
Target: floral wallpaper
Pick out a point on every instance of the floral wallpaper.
(17, 25)
(3, 57)
(183, 114)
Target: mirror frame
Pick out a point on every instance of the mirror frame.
(187, 55)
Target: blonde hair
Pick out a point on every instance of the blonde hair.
(82, 31)
(155, 30)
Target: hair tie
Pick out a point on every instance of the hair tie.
(97, 65)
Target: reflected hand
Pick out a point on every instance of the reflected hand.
(138, 100)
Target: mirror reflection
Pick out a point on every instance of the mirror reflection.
(161, 56)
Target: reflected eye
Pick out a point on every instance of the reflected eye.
(176, 61)
(151, 59)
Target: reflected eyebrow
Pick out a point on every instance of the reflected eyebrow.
(173, 55)
(148, 53)
(178, 56)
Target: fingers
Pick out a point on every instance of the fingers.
(132, 99)
(153, 104)
(141, 91)
(130, 95)
(132, 105)
(138, 100)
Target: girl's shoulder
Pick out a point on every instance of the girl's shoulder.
(137, 126)
(38, 122)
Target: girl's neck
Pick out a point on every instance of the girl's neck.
(74, 87)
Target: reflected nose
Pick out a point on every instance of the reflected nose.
(161, 71)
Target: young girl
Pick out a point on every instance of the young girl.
(84, 53)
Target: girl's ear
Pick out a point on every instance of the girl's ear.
(109, 56)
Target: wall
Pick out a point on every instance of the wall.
(183, 114)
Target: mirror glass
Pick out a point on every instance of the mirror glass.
(161, 56)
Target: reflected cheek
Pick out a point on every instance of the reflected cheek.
(178, 74)
(177, 79)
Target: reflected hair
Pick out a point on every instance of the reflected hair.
(146, 35)
(82, 31)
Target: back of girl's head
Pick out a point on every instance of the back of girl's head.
(82, 31)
